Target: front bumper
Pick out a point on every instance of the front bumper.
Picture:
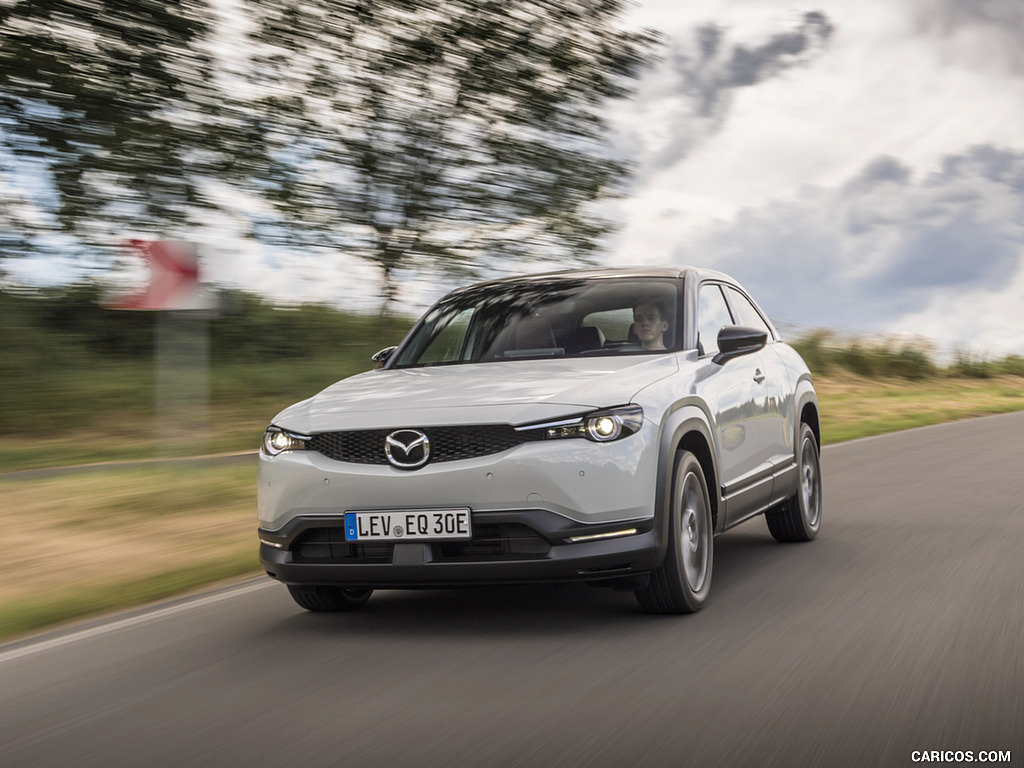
(510, 546)
(589, 483)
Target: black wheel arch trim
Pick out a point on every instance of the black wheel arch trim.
(688, 421)
(806, 397)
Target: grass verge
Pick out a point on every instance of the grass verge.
(853, 407)
(83, 599)
(116, 538)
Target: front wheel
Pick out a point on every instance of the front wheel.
(682, 583)
(321, 598)
(799, 517)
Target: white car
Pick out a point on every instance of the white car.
(595, 425)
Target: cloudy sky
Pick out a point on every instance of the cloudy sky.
(858, 166)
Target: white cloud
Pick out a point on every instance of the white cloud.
(887, 250)
(866, 179)
(789, 187)
(880, 88)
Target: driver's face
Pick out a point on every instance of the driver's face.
(648, 324)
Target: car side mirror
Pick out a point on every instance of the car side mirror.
(736, 341)
(380, 359)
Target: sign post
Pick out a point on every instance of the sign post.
(181, 346)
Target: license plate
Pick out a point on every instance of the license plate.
(408, 525)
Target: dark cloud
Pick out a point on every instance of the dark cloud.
(872, 250)
(749, 66)
(882, 170)
(960, 252)
(689, 97)
(716, 70)
(709, 40)
(995, 28)
(993, 163)
(949, 15)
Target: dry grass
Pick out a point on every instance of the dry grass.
(854, 407)
(99, 536)
(225, 429)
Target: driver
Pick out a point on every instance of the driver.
(649, 323)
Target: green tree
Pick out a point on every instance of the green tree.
(412, 134)
(458, 134)
(114, 105)
(20, 220)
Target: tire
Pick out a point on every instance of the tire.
(799, 517)
(323, 598)
(682, 583)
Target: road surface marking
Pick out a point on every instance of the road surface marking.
(131, 621)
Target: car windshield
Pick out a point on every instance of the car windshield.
(554, 318)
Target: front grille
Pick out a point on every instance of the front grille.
(499, 541)
(328, 545)
(446, 443)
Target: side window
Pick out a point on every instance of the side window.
(745, 312)
(712, 316)
(446, 347)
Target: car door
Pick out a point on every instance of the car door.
(779, 416)
(744, 429)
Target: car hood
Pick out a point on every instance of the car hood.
(514, 392)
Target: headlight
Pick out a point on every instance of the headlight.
(604, 427)
(277, 440)
(614, 423)
(600, 426)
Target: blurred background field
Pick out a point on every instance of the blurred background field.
(368, 154)
(88, 543)
(81, 383)
(80, 389)
(80, 380)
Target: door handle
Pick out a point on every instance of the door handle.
(758, 376)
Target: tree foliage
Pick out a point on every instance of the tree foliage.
(415, 133)
(115, 103)
(410, 133)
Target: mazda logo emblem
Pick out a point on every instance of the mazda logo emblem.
(407, 448)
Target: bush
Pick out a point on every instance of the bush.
(1011, 366)
(824, 354)
(69, 362)
(968, 366)
(816, 352)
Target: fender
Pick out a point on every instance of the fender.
(687, 417)
(805, 395)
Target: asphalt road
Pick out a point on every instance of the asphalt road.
(900, 629)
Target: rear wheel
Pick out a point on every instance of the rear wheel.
(799, 517)
(321, 598)
(682, 583)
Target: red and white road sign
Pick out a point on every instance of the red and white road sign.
(173, 276)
